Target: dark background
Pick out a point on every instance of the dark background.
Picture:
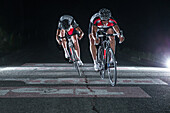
(145, 23)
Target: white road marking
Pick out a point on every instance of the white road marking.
(72, 91)
(65, 91)
(133, 81)
(3, 92)
(65, 66)
(43, 90)
(96, 91)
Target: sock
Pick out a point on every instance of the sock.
(95, 61)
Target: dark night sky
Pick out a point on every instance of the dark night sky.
(145, 23)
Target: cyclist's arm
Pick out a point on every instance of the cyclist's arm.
(57, 36)
(94, 30)
(117, 30)
(81, 33)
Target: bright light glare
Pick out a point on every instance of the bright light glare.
(168, 63)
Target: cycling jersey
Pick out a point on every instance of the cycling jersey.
(95, 20)
(71, 21)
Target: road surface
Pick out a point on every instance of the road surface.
(57, 88)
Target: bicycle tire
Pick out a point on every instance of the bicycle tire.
(75, 60)
(111, 67)
(101, 62)
(76, 65)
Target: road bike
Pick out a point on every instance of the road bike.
(106, 57)
(73, 56)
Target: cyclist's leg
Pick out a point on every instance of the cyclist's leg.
(112, 39)
(93, 49)
(76, 44)
(77, 48)
(64, 43)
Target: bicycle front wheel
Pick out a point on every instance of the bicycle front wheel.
(111, 67)
(76, 65)
(75, 60)
(101, 62)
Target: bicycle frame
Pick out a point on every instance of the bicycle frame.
(105, 43)
(105, 54)
(71, 46)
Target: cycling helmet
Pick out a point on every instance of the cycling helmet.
(65, 24)
(104, 14)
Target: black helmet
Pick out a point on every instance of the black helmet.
(105, 14)
(65, 24)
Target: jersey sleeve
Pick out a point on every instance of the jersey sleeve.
(74, 24)
(59, 25)
(94, 19)
(112, 20)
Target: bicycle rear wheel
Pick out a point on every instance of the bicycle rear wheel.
(111, 67)
(101, 62)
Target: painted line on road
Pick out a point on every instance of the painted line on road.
(54, 64)
(92, 81)
(20, 92)
(67, 67)
(71, 68)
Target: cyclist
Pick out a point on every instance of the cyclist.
(104, 20)
(67, 26)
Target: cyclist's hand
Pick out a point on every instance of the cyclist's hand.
(97, 41)
(80, 37)
(121, 39)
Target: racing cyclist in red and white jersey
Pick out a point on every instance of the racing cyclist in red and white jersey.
(68, 26)
(103, 19)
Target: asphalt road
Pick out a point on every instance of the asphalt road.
(57, 88)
